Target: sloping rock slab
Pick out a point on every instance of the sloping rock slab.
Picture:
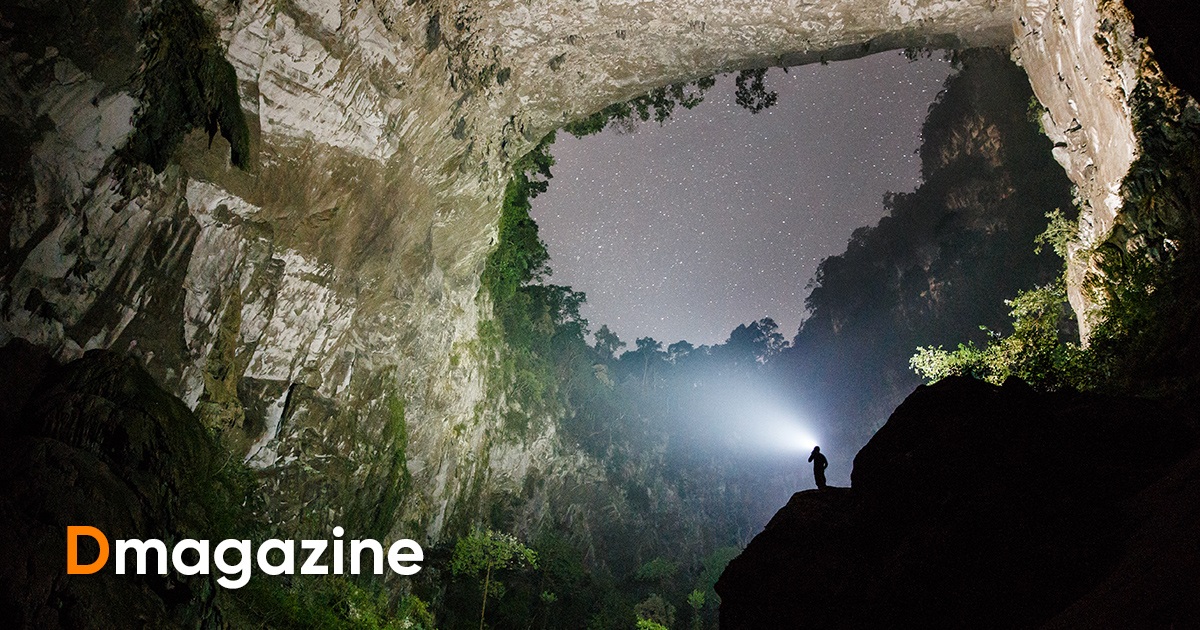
(979, 506)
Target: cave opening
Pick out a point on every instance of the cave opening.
(883, 203)
(935, 195)
(719, 215)
(308, 286)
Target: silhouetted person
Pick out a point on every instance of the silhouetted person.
(819, 465)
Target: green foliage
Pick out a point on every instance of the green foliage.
(658, 104)
(696, 600)
(415, 615)
(185, 83)
(398, 480)
(1059, 233)
(326, 602)
(754, 342)
(336, 602)
(224, 500)
(646, 624)
(1034, 112)
(656, 610)
(1036, 351)
(1041, 349)
(1161, 195)
(487, 551)
(1136, 281)
(1140, 278)
(752, 91)
(607, 343)
(714, 566)
(657, 570)
(563, 593)
(915, 53)
(520, 257)
(537, 321)
(934, 364)
(484, 551)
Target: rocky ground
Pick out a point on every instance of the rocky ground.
(978, 506)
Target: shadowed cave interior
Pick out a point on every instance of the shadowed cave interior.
(1040, 481)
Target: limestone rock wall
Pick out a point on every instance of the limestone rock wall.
(1083, 62)
(320, 309)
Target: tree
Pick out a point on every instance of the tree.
(520, 257)
(1035, 352)
(755, 342)
(607, 343)
(414, 614)
(485, 551)
(696, 601)
(658, 104)
(656, 610)
(714, 566)
(752, 91)
(650, 351)
(659, 571)
(679, 350)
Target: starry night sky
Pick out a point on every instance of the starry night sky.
(720, 217)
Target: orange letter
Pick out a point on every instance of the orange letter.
(73, 534)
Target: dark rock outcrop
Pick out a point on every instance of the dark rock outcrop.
(1169, 27)
(978, 506)
(97, 442)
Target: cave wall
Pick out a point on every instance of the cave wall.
(320, 309)
(1084, 62)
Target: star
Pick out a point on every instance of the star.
(646, 221)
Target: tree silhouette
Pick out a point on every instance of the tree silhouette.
(607, 343)
(752, 91)
(757, 341)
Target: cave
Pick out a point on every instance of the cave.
(277, 216)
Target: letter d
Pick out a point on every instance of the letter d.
(73, 534)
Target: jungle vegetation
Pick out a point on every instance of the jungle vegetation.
(677, 500)
(1140, 280)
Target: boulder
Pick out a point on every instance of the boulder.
(979, 506)
(97, 442)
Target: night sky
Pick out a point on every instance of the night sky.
(720, 217)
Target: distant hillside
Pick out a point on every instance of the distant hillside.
(943, 260)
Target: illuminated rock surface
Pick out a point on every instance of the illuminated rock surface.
(321, 308)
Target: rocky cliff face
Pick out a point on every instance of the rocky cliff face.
(978, 506)
(1086, 65)
(913, 279)
(320, 308)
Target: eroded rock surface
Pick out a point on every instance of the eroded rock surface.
(1086, 64)
(321, 308)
